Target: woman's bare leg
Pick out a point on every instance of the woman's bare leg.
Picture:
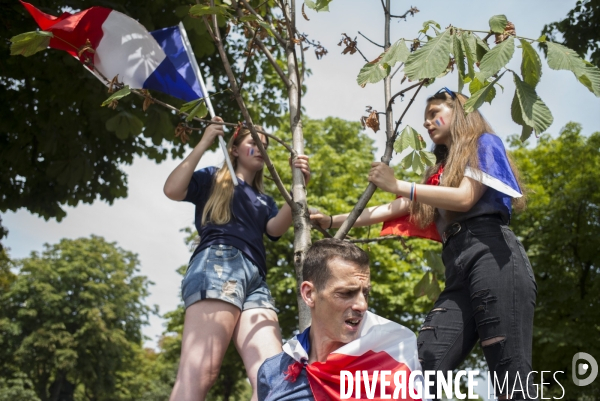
(207, 331)
(257, 336)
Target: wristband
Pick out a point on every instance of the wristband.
(330, 222)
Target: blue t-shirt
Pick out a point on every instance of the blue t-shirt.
(272, 385)
(251, 211)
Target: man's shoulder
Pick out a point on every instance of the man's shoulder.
(273, 386)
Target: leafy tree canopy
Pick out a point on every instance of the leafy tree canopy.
(580, 30)
(559, 230)
(58, 146)
(71, 321)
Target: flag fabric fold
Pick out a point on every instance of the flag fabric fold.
(494, 168)
(381, 345)
(122, 46)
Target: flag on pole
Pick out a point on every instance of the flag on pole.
(382, 345)
(123, 47)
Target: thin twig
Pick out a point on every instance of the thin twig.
(363, 56)
(402, 92)
(412, 11)
(376, 44)
(321, 230)
(376, 239)
(245, 113)
(406, 109)
(397, 69)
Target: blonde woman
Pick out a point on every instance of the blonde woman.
(224, 289)
(465, 202)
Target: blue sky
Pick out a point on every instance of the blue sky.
(149, 224)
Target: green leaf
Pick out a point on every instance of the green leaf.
(481, 48)
(199, 111)
(200, 10)
(372, 73)
(433, 290)
(124, 124)
(417, 165)
(408, 159)
(29, 43)
(319, 5)
(535, 113)
(495, 59)
(459, 58)
(469, 45)
(421, 288)
(590, 78)
(408, 138)
(428, 24)
(248, 18)
(398, 52)
(117, 95)
(427, 158)
(431, 60)
(498, 23)
(480, 96)
(562, 58)
(158, 126)
(517, 116)
(531, 66)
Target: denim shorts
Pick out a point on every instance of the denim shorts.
(224, 272)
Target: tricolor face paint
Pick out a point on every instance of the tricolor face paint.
(440, 121)
(250, 151)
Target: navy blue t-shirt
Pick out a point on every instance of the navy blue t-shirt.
(251, 211)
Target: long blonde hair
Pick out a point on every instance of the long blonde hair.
(218, 207)
(465, 130)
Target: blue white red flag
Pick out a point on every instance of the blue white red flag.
(382, 345)
(494, 169)
(122, 46)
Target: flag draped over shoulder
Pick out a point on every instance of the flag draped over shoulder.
(494, 167)
(381, 345)
(122, 46)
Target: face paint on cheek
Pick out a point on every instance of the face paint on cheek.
(251, 152)
(440, 122)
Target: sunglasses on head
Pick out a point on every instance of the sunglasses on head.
(448, 91)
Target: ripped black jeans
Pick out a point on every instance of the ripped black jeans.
(489, 296)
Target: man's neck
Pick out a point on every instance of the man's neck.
(321, 346)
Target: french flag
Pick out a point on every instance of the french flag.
(161, 60)
(382, 345)
(494, 169)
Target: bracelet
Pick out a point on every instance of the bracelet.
(330, 222)
(412, 191)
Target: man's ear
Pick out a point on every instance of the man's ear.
(308, 292)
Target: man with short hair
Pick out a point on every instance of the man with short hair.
(344, 336)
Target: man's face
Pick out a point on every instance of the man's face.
(340, 306)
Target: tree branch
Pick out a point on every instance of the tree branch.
(406, 109)
(376, 44)
(238, 97)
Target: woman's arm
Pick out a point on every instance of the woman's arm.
(371, 215)
(460, 199)
(279, 224)
(178, 181)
